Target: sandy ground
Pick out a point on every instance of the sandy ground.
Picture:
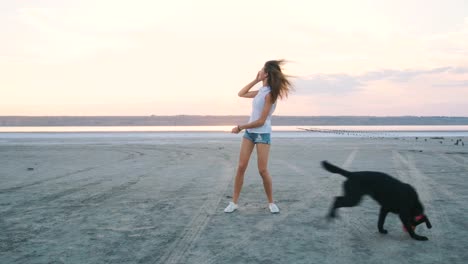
(131, 201)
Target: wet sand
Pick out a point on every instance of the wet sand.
(131, 201)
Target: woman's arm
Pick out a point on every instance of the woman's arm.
(259, 122)
(244, 92)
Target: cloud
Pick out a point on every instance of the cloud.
(333, 84)
(345, 84)
(459, 70)
(399, 75)
(453, 84)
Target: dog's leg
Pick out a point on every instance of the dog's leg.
(406, 220)
(343, 201)
(331, 213)
(382, 215)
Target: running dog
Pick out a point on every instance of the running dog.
(393, 196)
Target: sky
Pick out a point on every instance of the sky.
(151, 57)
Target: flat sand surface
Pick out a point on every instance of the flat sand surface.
(136, 201)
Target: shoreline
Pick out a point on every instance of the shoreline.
(226, 129)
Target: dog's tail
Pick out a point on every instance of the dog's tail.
(334, 169)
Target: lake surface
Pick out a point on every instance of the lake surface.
(162, 132)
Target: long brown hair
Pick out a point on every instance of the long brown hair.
(277, 80)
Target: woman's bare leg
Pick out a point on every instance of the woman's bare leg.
(263, 152)
(244, 156)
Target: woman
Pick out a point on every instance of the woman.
(274, 85)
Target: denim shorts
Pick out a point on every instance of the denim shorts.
(263, 138)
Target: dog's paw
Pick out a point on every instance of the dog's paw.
(383, 231)
(420, 238)
(331, 217)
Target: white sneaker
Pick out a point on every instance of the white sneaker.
(273, 208)
(231, 207)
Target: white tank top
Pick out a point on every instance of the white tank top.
(257, 108)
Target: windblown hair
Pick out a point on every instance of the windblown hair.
(277, 80)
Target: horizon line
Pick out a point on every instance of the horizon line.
(201, 115)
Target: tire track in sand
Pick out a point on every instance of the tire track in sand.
(268, 227)
(184, 243)
(340, 250)
(15, 188)
(455, 159)
(130, 156)
(54, 196)
(407, 170)
(233, 250)
(267, 224)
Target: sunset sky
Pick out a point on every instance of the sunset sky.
(151, 57)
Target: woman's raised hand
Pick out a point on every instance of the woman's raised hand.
(261, 75)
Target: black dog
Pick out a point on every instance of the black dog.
(393, 195)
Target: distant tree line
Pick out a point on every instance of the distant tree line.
(199, 120)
